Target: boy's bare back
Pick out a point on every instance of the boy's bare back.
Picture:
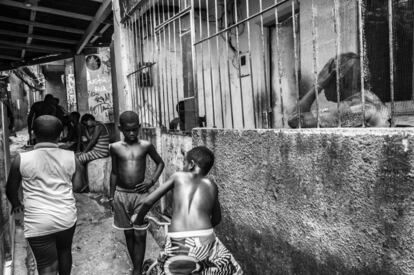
(194, 202)
(130, 162)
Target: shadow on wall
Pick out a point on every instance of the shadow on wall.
(315, 201)
(277, 256)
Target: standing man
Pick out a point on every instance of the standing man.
(40, 108)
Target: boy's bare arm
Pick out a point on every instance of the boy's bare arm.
(13, 185)
(114, 172)
(94, 139)
(158, 161)
(152, 198)
(77, 177)
(148, 183)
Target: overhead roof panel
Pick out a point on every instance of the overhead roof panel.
(87, 7)
(61, 21)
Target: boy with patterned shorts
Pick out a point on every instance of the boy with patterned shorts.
(192, 246)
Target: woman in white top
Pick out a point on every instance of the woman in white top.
(48, 176)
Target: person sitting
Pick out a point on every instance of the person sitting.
(73, 137)
(96, 139)
(350, 109)
(178, 123)
(192, 246)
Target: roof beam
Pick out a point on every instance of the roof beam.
(29, 39)
(101, 32)
(39, 37)
(104, 10)
(41, 25)
(17, 48)
(36, 61)
(14, 58)
(35, 47)
(46, 10)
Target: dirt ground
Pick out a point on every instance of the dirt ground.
(97, 247)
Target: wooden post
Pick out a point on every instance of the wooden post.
(81, 84)
(120, 62)
(115, 93)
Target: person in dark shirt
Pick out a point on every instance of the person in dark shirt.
(61, 113)
(40, 108)
(178, 123)
(10, 116)
(73, 137)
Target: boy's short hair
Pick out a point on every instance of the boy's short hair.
(128, 117)
(203, 157)
(47, 127)
(87, 117)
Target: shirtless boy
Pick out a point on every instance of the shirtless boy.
(129, 186)
(191, 243)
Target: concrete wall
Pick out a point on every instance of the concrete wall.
(5, 219)
(172, 149)
(19, 96)
(316, 201)
(70, 85)
(100, 87)
(55, 82)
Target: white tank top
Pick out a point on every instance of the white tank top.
(49, 203)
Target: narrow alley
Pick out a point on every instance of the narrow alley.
(97, 247)
(300, 113)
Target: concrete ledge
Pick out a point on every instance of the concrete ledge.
(316, 201)
(99, 173)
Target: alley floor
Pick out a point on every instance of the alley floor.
(97, 247)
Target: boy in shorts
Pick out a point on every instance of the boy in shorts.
(192, 246)
(128, 183)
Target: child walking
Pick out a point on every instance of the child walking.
(129, 186)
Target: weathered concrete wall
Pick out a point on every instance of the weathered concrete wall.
(81, 84)
(172, 148)
(55, 82)
(19, 93)
(100, 86)
(331, 201)
(5, 219)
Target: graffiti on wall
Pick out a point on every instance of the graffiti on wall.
(71, 92)
(100, 86)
